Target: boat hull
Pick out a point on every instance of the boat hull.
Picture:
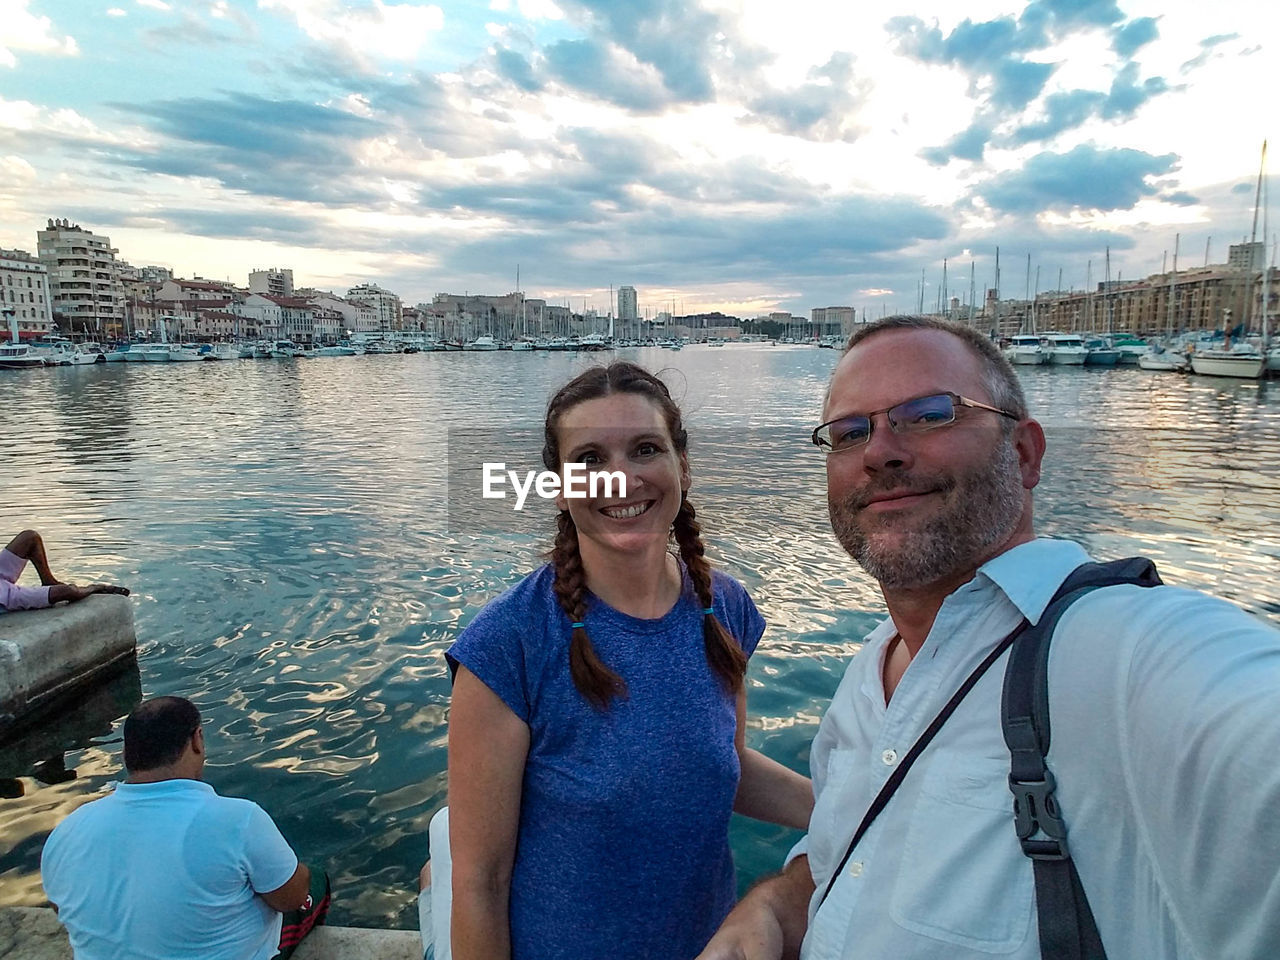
(1245, 368)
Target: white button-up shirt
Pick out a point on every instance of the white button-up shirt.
(1165, 714)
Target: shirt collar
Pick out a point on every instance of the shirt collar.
(1030, 574)
(178, 785)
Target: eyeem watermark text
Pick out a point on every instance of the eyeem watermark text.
(579, 483)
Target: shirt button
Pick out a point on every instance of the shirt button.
(890, 757)
(855, 868)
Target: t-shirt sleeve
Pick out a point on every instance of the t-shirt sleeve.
(742, 618)
(492, 648)
(269, 860)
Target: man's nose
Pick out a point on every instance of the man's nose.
(884, 448)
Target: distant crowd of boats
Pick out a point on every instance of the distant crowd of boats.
(53, 351)
(1198, 353)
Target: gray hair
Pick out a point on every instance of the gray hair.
(997, 373)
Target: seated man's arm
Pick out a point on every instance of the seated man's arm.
(268, 857)
(293, 893)
(769, 923)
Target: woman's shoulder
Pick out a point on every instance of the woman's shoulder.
(739, 610)
(727, 586)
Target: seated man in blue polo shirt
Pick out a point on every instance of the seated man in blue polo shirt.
(164, 867)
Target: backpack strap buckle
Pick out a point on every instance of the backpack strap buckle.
(1036, 811)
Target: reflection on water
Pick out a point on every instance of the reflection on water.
(298, 570)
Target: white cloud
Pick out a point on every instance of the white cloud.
(154, 4)
(117, 12)
(379, 31)
(539, 10)
(22, 30)
(500, 5)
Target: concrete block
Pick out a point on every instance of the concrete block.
(357, 943)
(33, 933)
(45, 654)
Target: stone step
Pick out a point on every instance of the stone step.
(33, 933)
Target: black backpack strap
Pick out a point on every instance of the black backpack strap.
(1067, 927)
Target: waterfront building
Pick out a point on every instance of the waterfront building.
(24, 289)
(628, 308)
(385, 305)
(84, 290)
(328, 325)
(1246, 256)
(266, 313)
(275, 281)
(833, 321)
(197, 288)
(355, 317)
(467, 316)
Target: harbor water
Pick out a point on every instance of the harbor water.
(302, 551)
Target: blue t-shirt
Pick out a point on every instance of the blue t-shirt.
(623, 844)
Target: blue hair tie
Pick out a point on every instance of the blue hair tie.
(578, 623)
(710, 611)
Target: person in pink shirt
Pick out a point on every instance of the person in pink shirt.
(29, 546)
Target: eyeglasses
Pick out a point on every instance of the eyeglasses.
(910, 416)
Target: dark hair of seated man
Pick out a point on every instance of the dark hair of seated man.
(158, 731)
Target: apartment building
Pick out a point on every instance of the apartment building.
(24, 290)
(84, 288)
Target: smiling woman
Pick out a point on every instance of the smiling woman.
(596, 736)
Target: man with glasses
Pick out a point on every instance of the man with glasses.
(1162, 703)
(164, 867)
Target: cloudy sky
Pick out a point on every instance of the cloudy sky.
(744, 155)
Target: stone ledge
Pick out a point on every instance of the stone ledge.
(33, 933)
(47, 654)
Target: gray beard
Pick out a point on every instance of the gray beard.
(986, 505)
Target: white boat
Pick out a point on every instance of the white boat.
(137, 353)
(1273, 360)
(1064, 349)
(592, 341)
(1240, 361)
(117, 354)
(220, 351)
(520, 346)
(339, 350)
(184, 353)
(53, 350)
(1024, 348)
(284, 350)
(16, 355)
(482, 343)
(1157, 358)
(82, 358)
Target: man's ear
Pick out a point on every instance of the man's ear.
(1029, 442)
(197, 742)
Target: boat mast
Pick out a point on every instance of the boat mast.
(1037, 293)
(1088, 293)
(1110, 292)
(997, 318)
(1026, 298)
(1253, 238)
(1177, 239)
(972, 288)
